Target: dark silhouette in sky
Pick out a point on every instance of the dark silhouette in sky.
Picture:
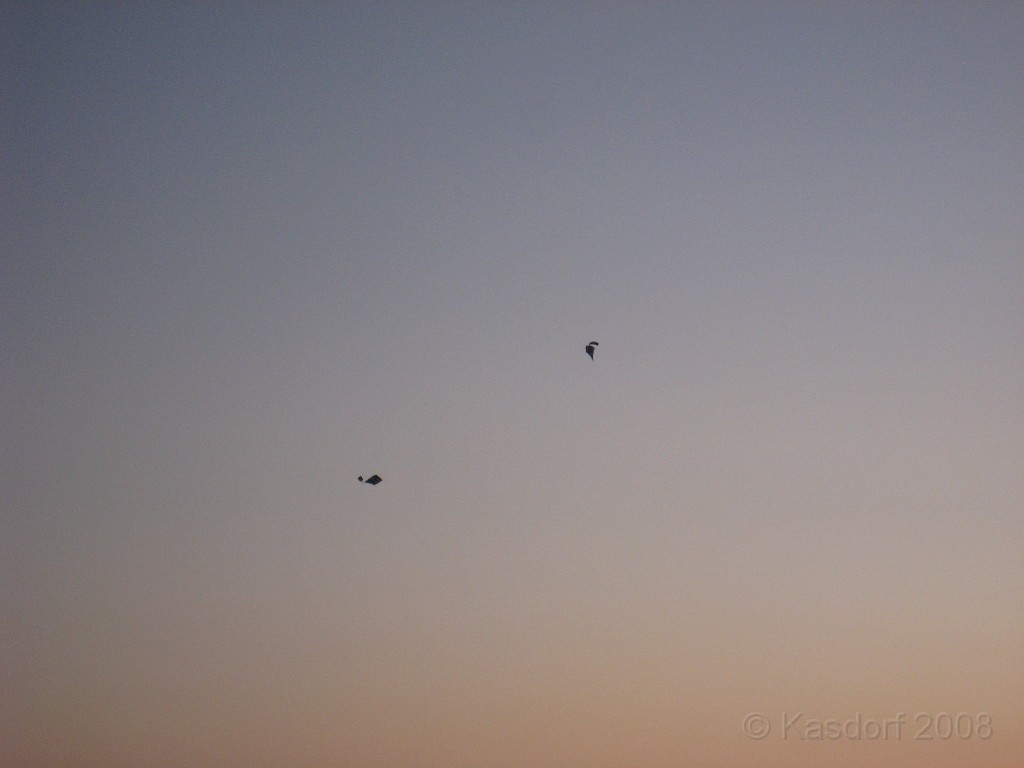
(370, 480)
(590, 349)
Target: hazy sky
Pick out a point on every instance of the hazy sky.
(250, 251)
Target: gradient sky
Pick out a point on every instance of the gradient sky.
(250, 251)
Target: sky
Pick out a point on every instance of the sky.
(252, 251)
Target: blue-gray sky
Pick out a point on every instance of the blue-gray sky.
(251, 251)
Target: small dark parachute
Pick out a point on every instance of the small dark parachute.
(370, 480)
(590, 349)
